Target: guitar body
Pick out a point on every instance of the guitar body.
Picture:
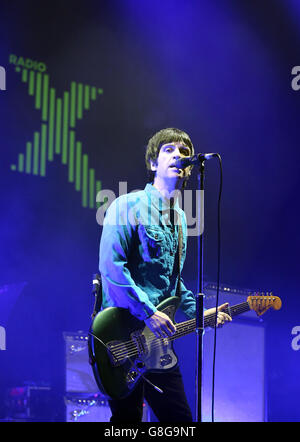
(122, 349)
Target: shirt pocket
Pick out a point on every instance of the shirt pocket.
(153, 242)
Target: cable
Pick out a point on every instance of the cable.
(218, 288)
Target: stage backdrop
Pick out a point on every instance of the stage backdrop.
(83, 87)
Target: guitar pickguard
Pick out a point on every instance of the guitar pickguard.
(160, 355)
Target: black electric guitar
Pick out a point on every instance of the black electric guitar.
(122, 349)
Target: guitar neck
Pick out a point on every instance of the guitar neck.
(232, 311)
(186, 327)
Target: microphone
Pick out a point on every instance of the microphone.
(182, 163)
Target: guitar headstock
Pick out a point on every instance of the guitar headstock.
(261, 302)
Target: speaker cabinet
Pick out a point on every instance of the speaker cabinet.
(239, 366)
(91, 408)
(83, 401)
(79, 376)
(86, 408)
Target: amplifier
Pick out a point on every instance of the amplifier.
(30, 403)
(83, 401)
(79, 377)
(92, 408)
(86, 408)
(239, 394)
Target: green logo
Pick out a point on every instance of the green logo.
(57, 136)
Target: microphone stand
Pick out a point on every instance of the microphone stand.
(200, 298)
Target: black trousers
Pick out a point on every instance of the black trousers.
(169, 406)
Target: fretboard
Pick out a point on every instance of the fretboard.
(186, 327)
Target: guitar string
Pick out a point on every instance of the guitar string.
(236, 309)
(157, 343)
(132, 347)
(181, 325)
(182, 329)
(131, 343)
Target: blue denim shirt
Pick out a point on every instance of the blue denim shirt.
(137, 254)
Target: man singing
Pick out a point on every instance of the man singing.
(144, 237)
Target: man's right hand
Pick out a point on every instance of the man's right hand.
(160, 324)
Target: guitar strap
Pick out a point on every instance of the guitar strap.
(175, 220)
(178, 261)
(97, 292)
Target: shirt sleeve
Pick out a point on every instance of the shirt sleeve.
(117, 236)
(188, 301)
